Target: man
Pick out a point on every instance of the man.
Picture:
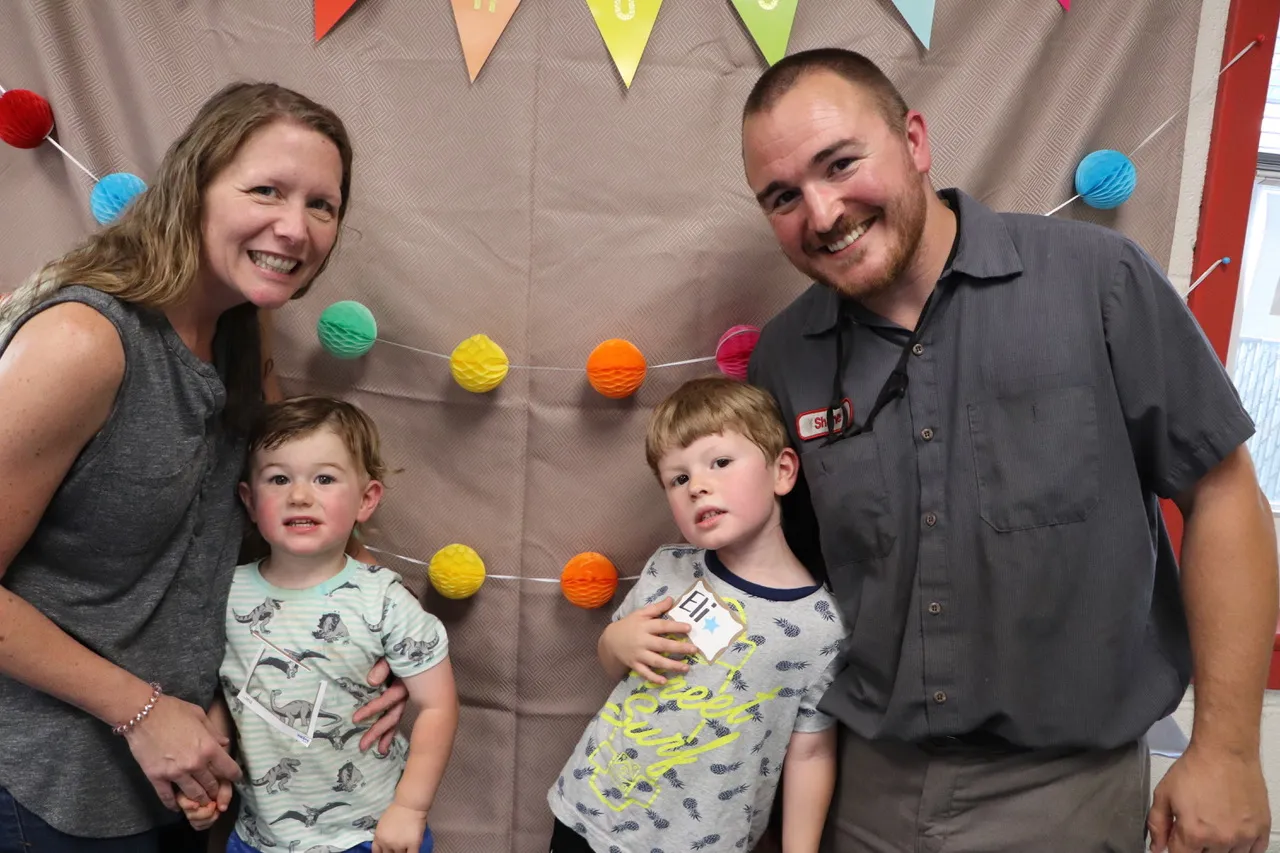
(988, 408)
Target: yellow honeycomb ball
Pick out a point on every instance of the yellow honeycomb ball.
(478, 364)
(456, 571)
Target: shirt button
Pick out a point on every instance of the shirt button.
(935, 608)
(939, 697)
(917, 349)
(930, 519)
(926, 434)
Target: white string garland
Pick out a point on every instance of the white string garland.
(447, 357)
(1152, 135)
(487, 576)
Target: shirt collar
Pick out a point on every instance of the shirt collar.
(983, 251)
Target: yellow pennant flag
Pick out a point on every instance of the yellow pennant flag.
(480, 25)
(625, 26)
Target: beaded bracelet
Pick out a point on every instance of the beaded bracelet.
(125, 728)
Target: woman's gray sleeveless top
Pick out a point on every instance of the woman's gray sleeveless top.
(133, 558)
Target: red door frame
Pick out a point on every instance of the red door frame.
(1228, 190)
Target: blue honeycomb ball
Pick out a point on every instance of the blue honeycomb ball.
(1105, 179)
(347, 329)
(112, 195)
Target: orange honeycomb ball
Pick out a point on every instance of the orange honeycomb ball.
(616, 368)
(589, 580)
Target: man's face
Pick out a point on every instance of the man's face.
(844, 192)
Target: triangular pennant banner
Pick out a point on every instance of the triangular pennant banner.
(919, 15)
(769, 22)
(480, 25)
(328, 12)
(625, 26)
(1066, 4)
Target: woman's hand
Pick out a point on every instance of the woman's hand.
(390, 705)
(177, 745)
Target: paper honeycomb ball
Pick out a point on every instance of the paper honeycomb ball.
(347, 329)
(589, 580)
(1105, 179)
(616, 368)
(456, 571)
(112, 195)
(734, 349)
(25, 118)
(478, 364)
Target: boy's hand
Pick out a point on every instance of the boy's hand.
(636, 641)
(400, 830)
(202, 817)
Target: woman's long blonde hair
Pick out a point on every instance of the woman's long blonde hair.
(151, 255)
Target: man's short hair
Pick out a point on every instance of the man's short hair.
(710, 406)
(783, 76)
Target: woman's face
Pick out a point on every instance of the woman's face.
(270, 217)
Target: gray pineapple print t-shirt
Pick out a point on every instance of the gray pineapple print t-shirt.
(694, 764)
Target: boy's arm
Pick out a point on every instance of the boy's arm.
(220, 715)
(431, 743)
(638, 642)
(614, 668)
(808, 781)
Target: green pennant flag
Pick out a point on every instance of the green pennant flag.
(769, 22)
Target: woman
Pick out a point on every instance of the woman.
(129, 369)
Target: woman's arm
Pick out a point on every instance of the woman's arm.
(58, 379)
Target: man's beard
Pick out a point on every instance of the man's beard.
(907, 217)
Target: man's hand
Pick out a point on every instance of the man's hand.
(636, 642)
(1211, 801)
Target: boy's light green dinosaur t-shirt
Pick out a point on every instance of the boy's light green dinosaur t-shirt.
(329, 791)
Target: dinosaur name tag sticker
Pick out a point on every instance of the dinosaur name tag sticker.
(268, 716)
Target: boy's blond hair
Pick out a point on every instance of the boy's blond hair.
(709, 406)
(299, 417)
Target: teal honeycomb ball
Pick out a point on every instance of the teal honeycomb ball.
(347, 329)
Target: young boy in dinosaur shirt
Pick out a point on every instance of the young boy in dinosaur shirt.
(304, 626)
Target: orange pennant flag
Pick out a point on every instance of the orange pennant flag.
(328, 12)
(480, 25)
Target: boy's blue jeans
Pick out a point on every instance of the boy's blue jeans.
(236, 845)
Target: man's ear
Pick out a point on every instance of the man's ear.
(369, 501)
(787, 466)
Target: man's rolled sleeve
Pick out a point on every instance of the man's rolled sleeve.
(1180, 407)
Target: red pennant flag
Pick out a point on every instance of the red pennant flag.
(1066, 4)
(328, 12)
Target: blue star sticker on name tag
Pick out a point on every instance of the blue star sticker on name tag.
(714, 624)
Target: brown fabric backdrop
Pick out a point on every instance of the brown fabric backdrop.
(550, 208)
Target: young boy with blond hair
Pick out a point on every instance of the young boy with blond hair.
(304, 627)
(691, 760)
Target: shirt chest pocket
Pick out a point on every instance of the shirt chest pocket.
(1036, 457)
(851, 500)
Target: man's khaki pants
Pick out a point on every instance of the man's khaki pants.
(893, 797)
